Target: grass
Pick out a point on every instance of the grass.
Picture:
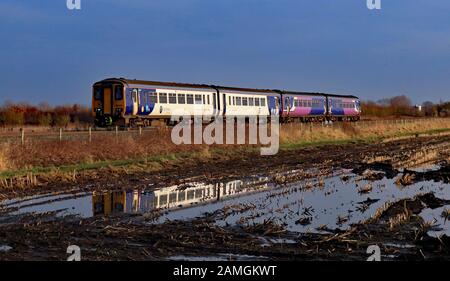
(153, 150)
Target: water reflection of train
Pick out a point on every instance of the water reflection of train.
(138, 201)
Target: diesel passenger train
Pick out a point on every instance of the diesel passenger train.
(124, 102)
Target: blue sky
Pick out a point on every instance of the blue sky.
(48, 53)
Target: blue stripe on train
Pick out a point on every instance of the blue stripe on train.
(145, 107)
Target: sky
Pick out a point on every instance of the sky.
(49, 53)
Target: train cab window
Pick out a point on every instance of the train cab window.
(162, 98)
(251, 101)
(244, 101)
(173, 98)
(153, 97)
(190, 99)
(98, 93)
(256, 101)
(238, 101)
(181, 98)
(118, 92)
(263, 102)
(198, 99)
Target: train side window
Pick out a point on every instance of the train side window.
(204, 99)
(163, 199)
(209, 102)
(181, 98)
(172, 98)
(234, 100)
(198, 99)
(98, 93)
(173, 197)
(238, 100)
(244, 101)
(251, 101)
(181, 196)
(190, 194)
(118, 92)
(263, 102)
(153, 98)
(190, 99)
(229, 100)
(163, 98)
(256, 101)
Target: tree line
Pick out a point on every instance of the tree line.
(43, 114)
(20, 114)
(402, 106)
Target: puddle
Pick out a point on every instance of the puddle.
(441, 222)
(307, 206)
(5, 248)
(89, 204)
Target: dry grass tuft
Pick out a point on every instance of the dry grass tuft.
(340, 131)
(4, 159)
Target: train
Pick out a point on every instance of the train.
(130, 103)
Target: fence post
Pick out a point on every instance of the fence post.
(140, 130)
(90, 134)
(60, 134)
(117, 131)
(22, 136)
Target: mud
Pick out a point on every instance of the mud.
(321, 203)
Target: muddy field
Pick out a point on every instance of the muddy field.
(317, 203)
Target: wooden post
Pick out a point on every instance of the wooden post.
(117, 131)
(140, 130)
(22, 136)
(90, 134)
(60, 134)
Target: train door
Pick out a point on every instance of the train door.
(107, 101)
(134, 98)
(287, 105)
(214, 103)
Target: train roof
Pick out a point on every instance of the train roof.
(157, 83)
(318, 94)
(185, 85)
(342, 96)
(205, 86)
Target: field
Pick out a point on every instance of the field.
(330, 193)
